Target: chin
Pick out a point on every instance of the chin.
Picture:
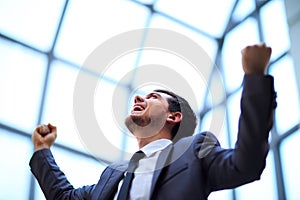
(137, 121)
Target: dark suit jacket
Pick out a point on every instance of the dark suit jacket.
(191, 168)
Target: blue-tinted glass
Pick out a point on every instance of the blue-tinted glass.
(22, 74)
(233, 113)
(209, 45)
(88, 25)
(34, 22)
(243, 8)
(243, 35)
(290, 163)
(262, 189)
(275, 27)
(287, 112)
(147, 1)
(14, 165)
(221, 195)
(217, 89)
(197, 80)
(111, 108)
(38, 193)
(214, 121)
(210, 16)
(58, 109)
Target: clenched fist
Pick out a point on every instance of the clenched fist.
(255, 59)
(44, 136)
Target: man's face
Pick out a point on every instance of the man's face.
(148, 115)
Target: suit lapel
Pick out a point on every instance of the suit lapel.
(162, 161)
(109, 181)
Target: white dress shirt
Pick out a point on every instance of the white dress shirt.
(141, 183)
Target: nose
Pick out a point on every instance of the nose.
(138, 99)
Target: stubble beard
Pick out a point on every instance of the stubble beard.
(143, 127)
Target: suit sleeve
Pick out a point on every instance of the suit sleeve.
(52, 180)
(229, 168)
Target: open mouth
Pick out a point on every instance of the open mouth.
(138, 108)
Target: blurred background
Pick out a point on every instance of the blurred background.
(43, 45)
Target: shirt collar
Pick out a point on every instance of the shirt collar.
(155, 146)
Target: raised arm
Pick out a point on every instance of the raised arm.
(52, 180)
(228, 168)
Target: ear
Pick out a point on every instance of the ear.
(174, 117)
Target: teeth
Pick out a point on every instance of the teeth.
(138, 108)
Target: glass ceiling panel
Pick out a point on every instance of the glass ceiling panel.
(201, 14)
(214, 121)
(289, 151)
(221, 195)
(34, 22)
(146, 1)
(58, 108)
(197, 80)
(276, 36)
(217, 90)
(288, 102)
(22, 75)
(243, 8)
(243, 35)
(233, 113)
(88, 25)
(207, 44)
(14, 173)
(110, 107)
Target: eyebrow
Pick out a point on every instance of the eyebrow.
(153, 93)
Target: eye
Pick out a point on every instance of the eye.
(152, 96)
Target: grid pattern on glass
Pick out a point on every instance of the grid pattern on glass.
(44, 50)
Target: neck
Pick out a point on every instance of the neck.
(143, 141)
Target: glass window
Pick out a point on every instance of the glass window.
(277, 36)
(200, 14)
(233, 113)
(14, 162)
(85, 26)
(243, 8)
(215, 122)
(289, 153)
(241, 36)
(58, 109)
(88, 25)
(34, 22)
(110, 107)
(209, 45)
(217, 91)
(287, 94)
(221, 195)
(22, 74)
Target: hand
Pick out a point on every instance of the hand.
(43, 137)
(255, 59)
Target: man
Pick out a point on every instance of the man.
(192, 167)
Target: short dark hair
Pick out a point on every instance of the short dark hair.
(189, 121)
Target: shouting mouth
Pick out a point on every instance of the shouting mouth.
(138, 108)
